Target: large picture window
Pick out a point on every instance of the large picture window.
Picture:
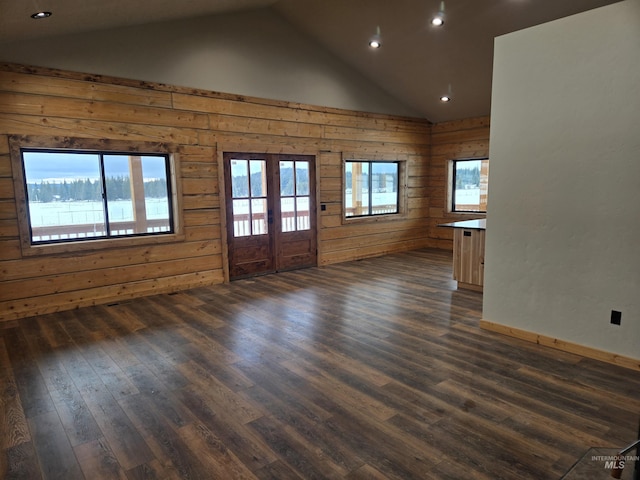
(75, 195)
(371, 188)
(469, 182)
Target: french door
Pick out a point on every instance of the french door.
(271, 214)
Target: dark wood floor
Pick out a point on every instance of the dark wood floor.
(365, 370)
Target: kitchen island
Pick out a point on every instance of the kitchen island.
(468, 253)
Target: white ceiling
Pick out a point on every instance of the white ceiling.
(416, 64)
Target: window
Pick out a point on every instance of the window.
(76, 195)
(371, 188)
(469, 181)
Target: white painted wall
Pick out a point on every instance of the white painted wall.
(563, 227)
(255, 53)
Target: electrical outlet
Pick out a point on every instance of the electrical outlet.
(616, 317)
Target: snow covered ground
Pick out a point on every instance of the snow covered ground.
(81, 213)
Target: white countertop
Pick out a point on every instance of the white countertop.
(479, 224)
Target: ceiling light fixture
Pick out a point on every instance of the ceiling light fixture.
(376, 39)
(39, 15)
(438, 19)
(445, 98)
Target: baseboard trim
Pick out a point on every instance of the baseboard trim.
(588, 352)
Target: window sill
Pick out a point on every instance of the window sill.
(391, 217)
(465, 214)
(29, 250)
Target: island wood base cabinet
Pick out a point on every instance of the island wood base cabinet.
(468, 253)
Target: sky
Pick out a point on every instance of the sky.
(59, 166)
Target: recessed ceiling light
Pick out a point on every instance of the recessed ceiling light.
(445, 98)
(438, 19)
(38, 15)
(376, 39)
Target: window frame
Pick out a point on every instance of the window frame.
(19, 144)
(400, 213)
(451, 187)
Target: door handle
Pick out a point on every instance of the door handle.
(270, 216)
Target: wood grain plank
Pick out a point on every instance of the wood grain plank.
(19, 82)
(20, 461)
(6, 188)
(77, 281)
(27, 104)
(13, 423)
(32, 389)
(91, 261)
(240, 439)
(215, 456)
(77, 421)
(154, 470)
(101, 295)
(299, 113)
(98, 461)
(162, 438)
(9, 249)
(125, 441)
(59, 126)
(302, 459)
(5, 166)
(55, 455)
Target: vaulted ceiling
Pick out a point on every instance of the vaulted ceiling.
(416, 64)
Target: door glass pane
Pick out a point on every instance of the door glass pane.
(258, 178)
(287, 200)
(249, 189)
(294, 191)
(302, 213)
(288, 214)
(287, 179)
(259, 216)
(239, 178)
(302, 178)
(241, 225)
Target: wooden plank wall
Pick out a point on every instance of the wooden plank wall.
(40, 101)
(468, 138)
